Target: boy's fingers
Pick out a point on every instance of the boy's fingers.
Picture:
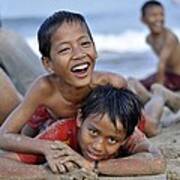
(61, 168)
(53, 167)
(60, 153)
(70, 166)
(59, 145)
(73, 159)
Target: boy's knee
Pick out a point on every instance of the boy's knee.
(153, 129)
(153, 132)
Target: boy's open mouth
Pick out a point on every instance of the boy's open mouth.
(158, 24)
(80, 68)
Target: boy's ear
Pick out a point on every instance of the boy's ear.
(78, 119)
(47, 64)
(143, 20)
(96, 54)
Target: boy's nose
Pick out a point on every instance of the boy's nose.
(160, 17)
(78, 52)
(98, 145)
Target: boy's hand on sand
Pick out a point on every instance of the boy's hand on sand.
(65, 155)
(51, 152)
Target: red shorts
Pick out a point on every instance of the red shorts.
(40, 118)
(172, 81)
(142, 122)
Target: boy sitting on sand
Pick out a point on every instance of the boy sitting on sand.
(106, 136)
(165, 44)
(167, 47)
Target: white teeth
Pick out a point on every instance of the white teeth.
(158, 24)
(80, 67)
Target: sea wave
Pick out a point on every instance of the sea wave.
(129, 41)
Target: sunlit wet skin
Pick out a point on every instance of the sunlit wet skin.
(99, 139)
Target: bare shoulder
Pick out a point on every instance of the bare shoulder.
(43, 86)
(102, 78)
(171, 36)
(142, 144)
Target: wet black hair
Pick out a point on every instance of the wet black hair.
(50, 26)
(149, 4)
(119, 104)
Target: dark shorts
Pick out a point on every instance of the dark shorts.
(172, 81)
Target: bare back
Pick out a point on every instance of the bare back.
(167, 47)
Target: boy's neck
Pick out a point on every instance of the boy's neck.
(156, 35)
(73, 94)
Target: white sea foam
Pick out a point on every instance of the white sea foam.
(32, 41)
(129, 41)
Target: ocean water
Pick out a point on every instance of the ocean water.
(115, 24)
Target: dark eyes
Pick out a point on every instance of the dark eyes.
(86, 44)
(64, 50)
(112, 140)
(93, 132)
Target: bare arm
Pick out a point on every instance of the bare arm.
(164, 55)
(141, 163)
(9, 138)
(34, 172)
(117, 80)
(102, 78)
(21, 170)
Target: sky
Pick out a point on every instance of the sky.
(11, 8)
(19, 8)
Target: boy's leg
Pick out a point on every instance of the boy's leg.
(139, 89)
(172, 98)
(10, 97)
(153, 112)
(170, 119)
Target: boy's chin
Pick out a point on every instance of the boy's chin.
(82, 83)
(157, 31)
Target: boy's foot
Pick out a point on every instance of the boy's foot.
(170, 119)
(171, 98)
(139, 89)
